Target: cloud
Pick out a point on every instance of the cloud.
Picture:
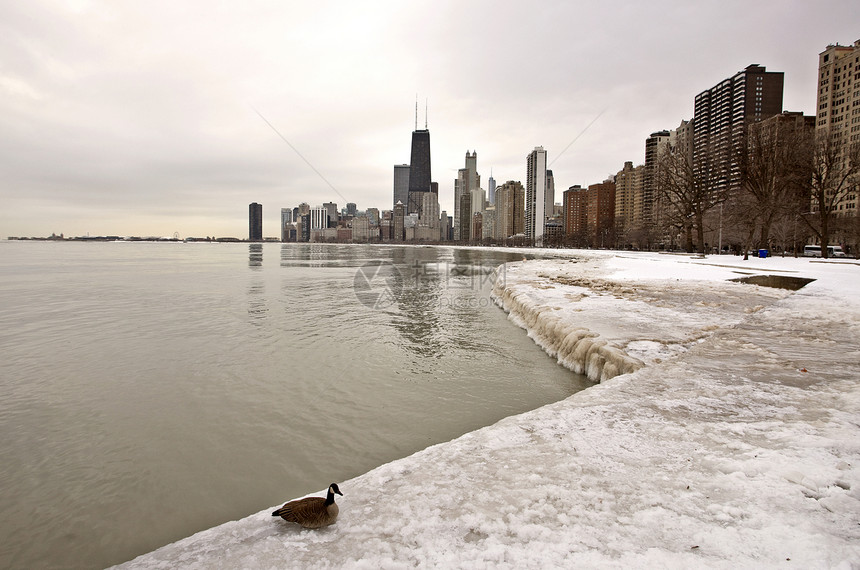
(122, 111)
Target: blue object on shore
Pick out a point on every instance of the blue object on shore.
(762, 253)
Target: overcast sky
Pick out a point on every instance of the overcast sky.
(149, 118)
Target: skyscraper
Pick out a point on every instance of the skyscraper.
(535, 194)
(255, 222)
(549, 195)
(419, 170)
(491, 189)
(401, 183)
(468, 180)
(721, 115)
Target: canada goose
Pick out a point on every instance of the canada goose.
(311, 512)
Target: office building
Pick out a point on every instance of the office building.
(319, 218)
(535, 210)
(419, 171)
(401, 183)
(331, 209)
(255, 222)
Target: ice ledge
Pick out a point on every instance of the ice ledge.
(576, 348)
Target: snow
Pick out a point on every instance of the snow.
(725, 433)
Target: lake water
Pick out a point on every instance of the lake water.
(152, 390)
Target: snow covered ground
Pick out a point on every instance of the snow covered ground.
(730, 439)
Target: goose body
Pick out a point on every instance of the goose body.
(311, 512)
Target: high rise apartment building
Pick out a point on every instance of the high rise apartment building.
(839, 90)
(600, 213)
(629, 183)
(535, 210)
(656, 144)
(721, 116)
(838, 105)
(255, 222)
(575, 205)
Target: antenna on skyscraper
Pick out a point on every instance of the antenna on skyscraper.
(416, 111)
(425, 114)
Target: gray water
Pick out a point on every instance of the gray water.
(152, 390)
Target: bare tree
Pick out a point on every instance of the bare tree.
(835, 168)
(773, 163)
(688, 192)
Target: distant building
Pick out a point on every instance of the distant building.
(510, 213)
(351, 209)
(305, 230)
(549, 196)
(419, 170)
(331, 209)
(467, 181)
(488, 230)
(255, 222)
(464, 227)
(536, 183)
(629, 183)
(429, 210)
(373, 216)
(445, 226)
(398, 222)
(319, 218)
(286, 223)
(491, 189)
(401, 183)
(361, 228)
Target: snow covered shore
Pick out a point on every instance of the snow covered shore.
(725, 434)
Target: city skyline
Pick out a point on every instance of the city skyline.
(151, 119)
